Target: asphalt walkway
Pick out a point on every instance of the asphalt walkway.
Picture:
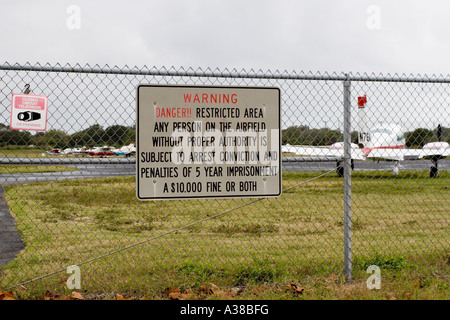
(10, 241)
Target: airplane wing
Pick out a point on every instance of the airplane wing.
(432, 149)
(389, 154)
(333, 152)
(126, 150)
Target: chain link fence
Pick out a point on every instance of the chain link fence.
(342, 209)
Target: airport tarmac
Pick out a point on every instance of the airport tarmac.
(10, 240)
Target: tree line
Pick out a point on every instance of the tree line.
(95, 135)
(303, 135)
(118, 135)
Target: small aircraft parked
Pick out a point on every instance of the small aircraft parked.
(383, 142)
(126, 151)
(76, 151)
(101, 151)
(104, 151)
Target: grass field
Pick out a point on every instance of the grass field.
(261, 250)
(23, 153)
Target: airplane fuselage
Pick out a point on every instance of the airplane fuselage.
(385, 136)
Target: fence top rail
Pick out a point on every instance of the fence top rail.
(217, 73)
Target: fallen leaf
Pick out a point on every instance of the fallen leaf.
(214, 289)
(170, 290)
(408, 295)
(392, 298)
(76, 295)
(174, 295)
(221, 293)
(121, 297)
(48, 295)
(187, 295)
(295, 289)
(6, 295)
(202, 289)
(255, 291)
(227, 294)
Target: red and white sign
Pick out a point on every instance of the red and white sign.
(29, 112)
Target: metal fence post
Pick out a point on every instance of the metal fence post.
(347, 184)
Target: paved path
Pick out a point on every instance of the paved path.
(10, 240)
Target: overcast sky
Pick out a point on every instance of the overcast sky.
(322, 35)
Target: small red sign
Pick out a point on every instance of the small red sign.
(362, 101)
(29, 112)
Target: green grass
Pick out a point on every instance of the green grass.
(22, 153)
(399, 223)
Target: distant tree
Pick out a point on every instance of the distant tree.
(354, 136)
(419, 137)
(118, 135)
(14, 137)
(89, 137)
(294, 135)
(303, 135)
(95, 135)
(53, 138)
(332, 136)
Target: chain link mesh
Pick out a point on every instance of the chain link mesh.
(61, 209)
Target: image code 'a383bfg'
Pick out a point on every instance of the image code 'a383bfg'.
(207, 142)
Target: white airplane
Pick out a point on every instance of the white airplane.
(127, 151)
(76, 151)
(101, 151)
(383, 142)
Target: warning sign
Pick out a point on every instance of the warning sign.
(207, 142)
(29, 112)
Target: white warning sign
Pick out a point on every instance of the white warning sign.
(207, 142)
(29, 112)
